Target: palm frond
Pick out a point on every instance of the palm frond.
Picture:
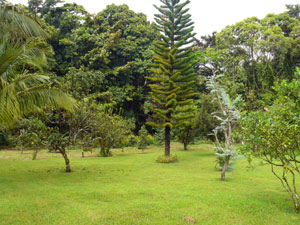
(22, 49)
(17, 25)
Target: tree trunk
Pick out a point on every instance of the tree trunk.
(105, 151)
(225, 167)
(82, 153)
(185, 146)
(67, 161)
(34, 154)
(167, 140)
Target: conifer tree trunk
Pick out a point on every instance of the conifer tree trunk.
(167, 140)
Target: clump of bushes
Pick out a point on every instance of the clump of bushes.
(158, 137)
(133, 140)
(167, 159)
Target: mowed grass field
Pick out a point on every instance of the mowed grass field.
(131, 188)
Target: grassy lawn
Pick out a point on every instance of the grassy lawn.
(131, 188)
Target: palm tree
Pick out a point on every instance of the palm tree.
(18, 25)
(23, 49)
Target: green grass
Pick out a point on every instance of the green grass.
(131, 188)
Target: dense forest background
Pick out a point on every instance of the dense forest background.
(103, 61)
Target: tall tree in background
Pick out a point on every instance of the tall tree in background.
(253, 54)
(173, 75)
(116, 43)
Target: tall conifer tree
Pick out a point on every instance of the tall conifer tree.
(173, 74)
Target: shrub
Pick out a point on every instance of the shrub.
(167, 159)
(133, 140)
(158, 137)
(111, 131)
(143, 142)
(273, 135)
(150, 139)
(32, 133)
(205, 121)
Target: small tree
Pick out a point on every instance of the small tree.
(87, 143)
(33, 134)
(228, 117)
(59, 142)
(110, 131)
(185, 135)
(22, 140)
(205, 121)
(81, 125)
(273, 135)
(143, 138)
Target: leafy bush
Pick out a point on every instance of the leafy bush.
(4, 139)
(150, 139)
(186, 135)
(110, 131)
(32, 133)
(273, 135)
(205, 122)
(143, 136)
(167, 159)
(133, 140)
(92, 125)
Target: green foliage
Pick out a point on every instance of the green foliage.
(18, 25)
(159, 137)
(293, 10)
(42, 7)
(58, 142)
(21, 89)
(253, 54)
(204, 119)
(81, 123)
(4, 140)
(187, 133)
(111, 53)
(167, 159)
(273, 136)
(133, 140)
(32, 134)
(81, 84)
(173, 75)
(110, 131)
(143, 138)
